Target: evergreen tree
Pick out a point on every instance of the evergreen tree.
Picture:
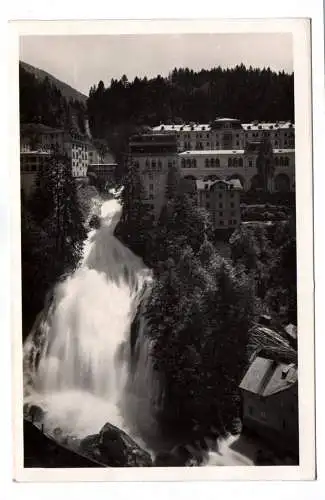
(136, 217)
(55, 208)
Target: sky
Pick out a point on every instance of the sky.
(84, 60)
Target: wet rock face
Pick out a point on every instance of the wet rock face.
(34, 413)
(114, 448)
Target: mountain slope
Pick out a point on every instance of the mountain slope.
(67, 91)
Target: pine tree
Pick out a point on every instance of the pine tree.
(55, 208)
(136, 217)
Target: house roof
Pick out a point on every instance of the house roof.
(266, 377)
(212, 152)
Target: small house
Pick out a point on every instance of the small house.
(270, 400)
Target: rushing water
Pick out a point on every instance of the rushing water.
(77, 357)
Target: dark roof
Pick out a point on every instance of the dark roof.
(38, 127)
(266, 377)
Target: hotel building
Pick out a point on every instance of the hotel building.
(152, 155)
(38, 142)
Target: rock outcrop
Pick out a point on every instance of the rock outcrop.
(114, 448)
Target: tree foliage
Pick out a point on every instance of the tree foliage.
(268, 253)
(52, 232)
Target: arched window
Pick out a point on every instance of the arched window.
(212, 162)
(217, 162)
(281, 161)
(182, 162)
(188, 163)
(286, 161)
(194, 163)
(276, 161)
(207, 164)
(240, 162)
(229, 162)
(234, 162)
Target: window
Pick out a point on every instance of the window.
(150, 177)
(250, 163)
(232, 205)
(221, 223)
(194, 163)
(150, 196)
(220, 195)
(220, 205)
(207, 204)
(151, 187)
(220, 214)
(232, 213)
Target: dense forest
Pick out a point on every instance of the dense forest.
(201, 307)
(42, 102)
(124, 107)
(185, 95)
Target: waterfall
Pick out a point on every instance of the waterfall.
(77, 357)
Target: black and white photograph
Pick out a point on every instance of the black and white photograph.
(160, 314)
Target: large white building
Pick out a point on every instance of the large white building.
(228, 134)
(238, 164)
(227, 149)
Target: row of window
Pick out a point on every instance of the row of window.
(232, 162)
(30, 168)
(230, 222)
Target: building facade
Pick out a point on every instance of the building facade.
(222, 200)
(229, 133)
(39, 137)
(238, 164)
(270, 401)
(31, 162)
(153, 155)
(227, 149)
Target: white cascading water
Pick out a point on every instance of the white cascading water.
(76, 360)
(77, 357)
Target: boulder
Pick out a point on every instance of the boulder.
(113, 447)
(34, 413)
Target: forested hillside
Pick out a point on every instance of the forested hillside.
(41, 101)
(185, 95)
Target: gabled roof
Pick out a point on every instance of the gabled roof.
(266, 377)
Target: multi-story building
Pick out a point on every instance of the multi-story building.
(229, 133)
(31, 162)
(39, 137)
(153, 155)
(238, 164)
(222, 200)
